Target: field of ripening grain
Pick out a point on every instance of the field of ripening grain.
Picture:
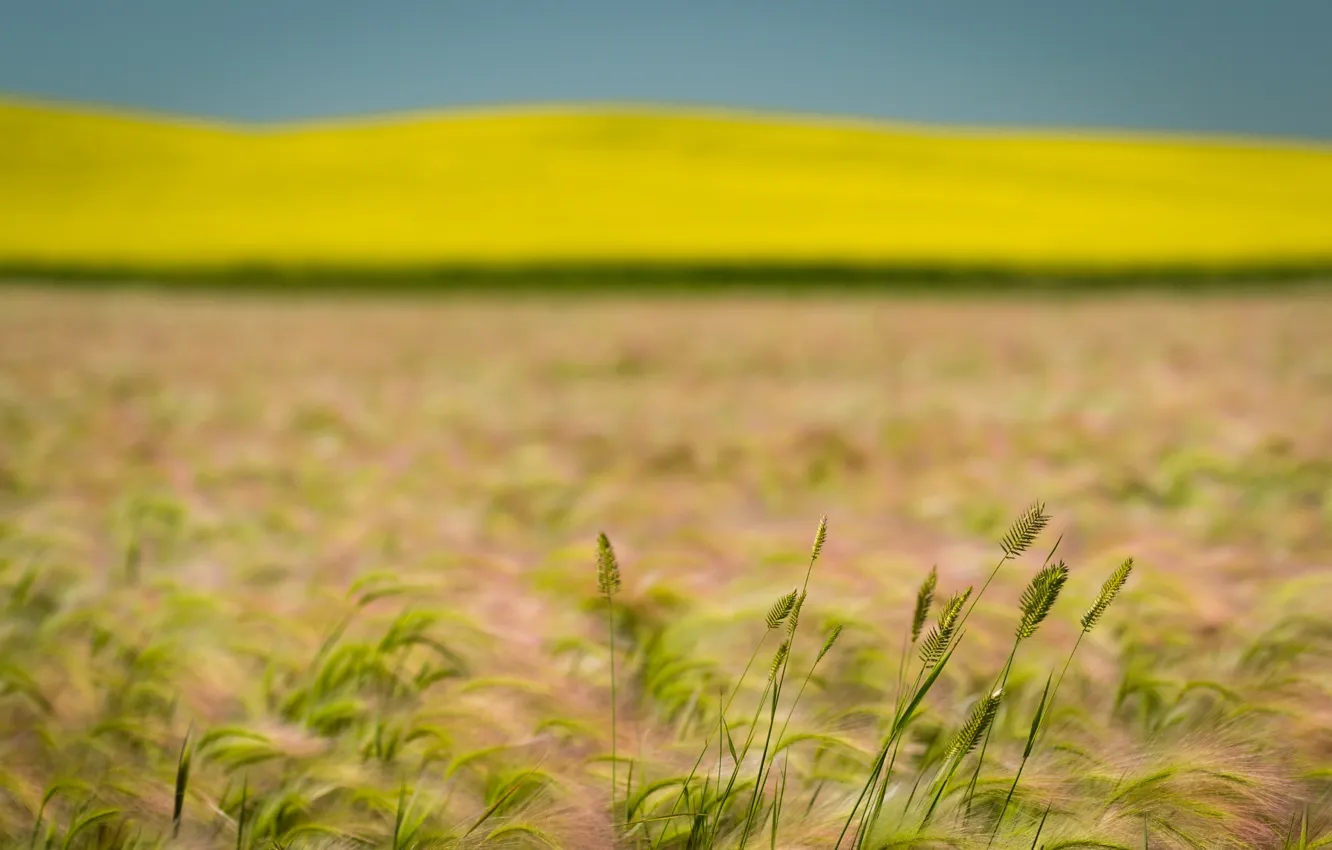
(327, 573)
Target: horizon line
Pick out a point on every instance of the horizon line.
(657, 108)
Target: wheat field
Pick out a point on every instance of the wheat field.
(84, 188)
(317, 574)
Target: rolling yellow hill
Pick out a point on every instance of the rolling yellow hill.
(97, 188)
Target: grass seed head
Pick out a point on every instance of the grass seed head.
(608, 568)
(977, 724)
(924, 599)
(1024, 531)
(1109, 591)
(828, 644)
(1039, 597)
(948, 616)
(941, 634)
(778, 659)
(819, 537)
(794, 622)
(780, 609)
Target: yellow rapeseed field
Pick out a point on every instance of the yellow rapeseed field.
(553, 184)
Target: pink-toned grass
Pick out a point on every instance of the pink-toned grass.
(476, 448)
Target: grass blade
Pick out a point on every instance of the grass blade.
(182, 780)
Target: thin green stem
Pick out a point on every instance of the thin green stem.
(985, 743)
(1067, 662)
(779, 679)
(610, 623)
(874, 772)
(1039, 726)
(1004, 811)
(735, 770)
(706, 742)
(883, 791)
(761, 777)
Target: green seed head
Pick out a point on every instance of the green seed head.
(608, 568)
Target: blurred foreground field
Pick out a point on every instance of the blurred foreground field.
(196, 493)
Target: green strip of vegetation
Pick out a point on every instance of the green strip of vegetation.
(685, 278)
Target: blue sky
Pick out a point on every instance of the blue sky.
(1251, 67)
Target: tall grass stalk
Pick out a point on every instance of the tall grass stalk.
(935, 651)
(778, 679)
(182, 782)
(779, 666)
(828, 642)
(982, 717)
(608, 583)
(773, 620)
(919, 614)
(778, 802)
(738, 758)
(1040, 827)
(778, 614)
(240, 815)
(1109, 590)
(1020, 537)
(1037, 599)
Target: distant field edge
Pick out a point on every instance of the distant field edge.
(674, 277)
